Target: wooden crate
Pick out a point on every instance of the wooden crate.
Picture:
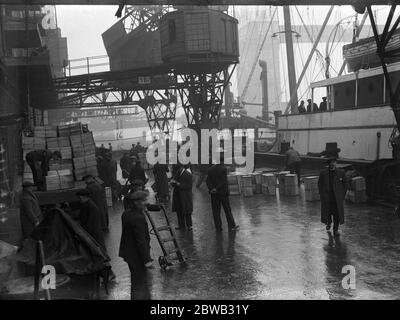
(247, 191)
(290, 180)
(268, 179)
(247, 182)
(232, 179)
(358, 184)
(268, 190)
(234, 189)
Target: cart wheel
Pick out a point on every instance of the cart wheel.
(163, 262)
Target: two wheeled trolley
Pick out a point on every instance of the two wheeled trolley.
(170, 256)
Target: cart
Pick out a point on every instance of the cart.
(170, 257)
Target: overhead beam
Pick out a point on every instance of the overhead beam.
(195, 2)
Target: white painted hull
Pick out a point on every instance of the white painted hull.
(355, 131)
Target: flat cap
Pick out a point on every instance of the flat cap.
(83, 192)
(138, 195)
(27, 184)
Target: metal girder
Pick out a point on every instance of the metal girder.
(381, 42)
(160, 108)
(104, 112)
(202, 97)
(198, 2)
(394, 93)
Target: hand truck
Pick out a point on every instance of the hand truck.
(170, 257)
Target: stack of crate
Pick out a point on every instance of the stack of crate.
(311, 188)
(281, 181)
(257, 182)
(268, 186)
(59, 179)
(357, 192)
(247, 185)
(50, 131)
(233, 184)
(39, 132)
(84, 155)
(28, 175)
(62, 164)
(69, 129)
(61, 144)
(291, 185)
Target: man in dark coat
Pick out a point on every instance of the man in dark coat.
(176, 200)
(38, 161)
(137, 172)
(217, 182)
(323, 105)
(135, 244)
(302, 108)
(98, 195)
(126, 164)
(30, 213)
(183, 181)
(311, 107)
(161, 181)
(90, 217)
(332, 187)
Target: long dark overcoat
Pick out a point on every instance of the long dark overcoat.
(135, 238)
(339, 189)
(161, 179)
(98, 195)
(185, 178)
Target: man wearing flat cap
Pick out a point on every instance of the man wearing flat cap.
(135, 244)
(332, 185)
(98, 195)
(30, 213)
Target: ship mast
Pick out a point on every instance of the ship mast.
(290, 58)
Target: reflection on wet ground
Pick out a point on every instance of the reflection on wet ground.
(281, 251)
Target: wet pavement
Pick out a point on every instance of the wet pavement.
(281, 251)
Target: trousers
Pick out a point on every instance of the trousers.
(216, 201)
(139, 283)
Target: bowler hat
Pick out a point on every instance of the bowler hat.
(138, 195)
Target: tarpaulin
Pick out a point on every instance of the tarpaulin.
(67, 246)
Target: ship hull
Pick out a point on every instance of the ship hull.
(360, 133)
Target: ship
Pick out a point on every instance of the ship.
(358, 127)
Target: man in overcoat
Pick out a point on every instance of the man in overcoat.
(217, 183)
(161, 181)
(332, 185)
(183, 182)
(90, 217)
(135, 244)
(98, 195)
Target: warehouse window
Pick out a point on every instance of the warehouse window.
(172, 31)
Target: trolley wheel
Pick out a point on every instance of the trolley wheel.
(162, 260)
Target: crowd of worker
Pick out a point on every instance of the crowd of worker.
(135, 238)
(312, 106)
